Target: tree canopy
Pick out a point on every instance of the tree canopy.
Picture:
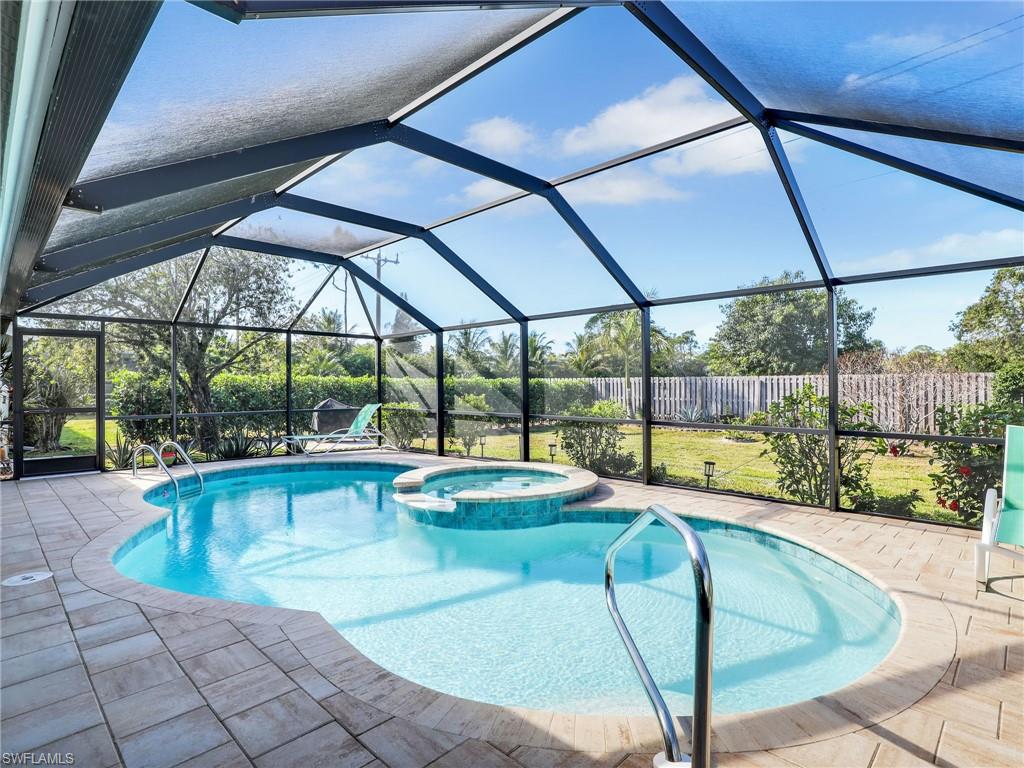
(990, 332)
(784, 332)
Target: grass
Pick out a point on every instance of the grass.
(740, 465)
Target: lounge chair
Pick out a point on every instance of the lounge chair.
(361, 432)
(1003, 522)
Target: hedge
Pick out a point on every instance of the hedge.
(134, 393)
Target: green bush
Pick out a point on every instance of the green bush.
(308, 390)
(1008, 387)
(136, 394)
(557, 396)
(802, 460)
(467, 431)
(965, 471)
(403, 423)
(597, 446)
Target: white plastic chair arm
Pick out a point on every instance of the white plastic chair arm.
(990, 518)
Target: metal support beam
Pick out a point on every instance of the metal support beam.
(378, 367)
(174, 382)
(687, 46)
(778, 116)
(288, 390)
(65, 286)
(183, 301)
(453, 154)
(524, 389)
(645, 391)
(583, 232)
(902, 165)
(238, 11)
(152, 234)
(446, 253)
(303, 254)
(133, 187)
(803, 216)
(439, 375)
(938, 269)
(385, 224)
(471, 161)
(832, 426)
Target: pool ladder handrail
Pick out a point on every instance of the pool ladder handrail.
(700, 751)
(188, 460)
(159, 462)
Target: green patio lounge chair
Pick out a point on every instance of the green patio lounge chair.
(361, 432)
(1003, 522)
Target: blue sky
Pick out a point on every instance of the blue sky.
(705, 217)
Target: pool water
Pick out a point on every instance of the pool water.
(509, 480)
(516, 617)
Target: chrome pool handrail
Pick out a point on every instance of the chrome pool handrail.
(700, 750)
(159, 463)
(188, 460)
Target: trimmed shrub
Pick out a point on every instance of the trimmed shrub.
(403, 423)
(597, 446)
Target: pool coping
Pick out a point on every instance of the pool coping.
(920, 657)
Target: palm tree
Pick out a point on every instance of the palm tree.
(538, 352)
(468, 345)
(620, 336)
(583, 355)
(504, 354)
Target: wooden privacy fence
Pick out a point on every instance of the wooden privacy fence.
(901, 402)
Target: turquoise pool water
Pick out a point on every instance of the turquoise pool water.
(509, 480)
(517, 617)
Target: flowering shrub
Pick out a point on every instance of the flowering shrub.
(965, 471)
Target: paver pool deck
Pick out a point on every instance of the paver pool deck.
(121, 673)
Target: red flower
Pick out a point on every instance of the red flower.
(954, 505)
(965, 471)
(941, 502)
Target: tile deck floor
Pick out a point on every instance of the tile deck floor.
(116, 682)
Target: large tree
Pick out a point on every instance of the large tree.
(990, 332)
(784, 332)
(233, 288)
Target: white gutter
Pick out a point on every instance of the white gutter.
(42, 33)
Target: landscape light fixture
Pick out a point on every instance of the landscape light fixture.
(709, 472)
(483, 441)
(552, 449)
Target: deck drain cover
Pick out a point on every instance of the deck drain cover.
(26, 578)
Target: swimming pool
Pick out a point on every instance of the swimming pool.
(517, 617)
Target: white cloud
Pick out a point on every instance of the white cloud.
(355, 175)
(902, 46)
(726, 154)
(484, 191)
(661, 112)
(500, 136)
(627, 185)
(950, 249)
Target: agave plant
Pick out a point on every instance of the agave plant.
(268, 443)
(119, 455)
(237, 446)
(694, 415)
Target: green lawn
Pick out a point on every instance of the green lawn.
(739, 464)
